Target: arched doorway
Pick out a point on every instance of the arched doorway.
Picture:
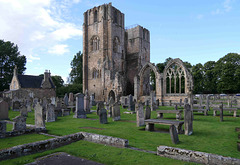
(111, 94)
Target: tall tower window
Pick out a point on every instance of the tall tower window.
(115, 18)
(95, 16)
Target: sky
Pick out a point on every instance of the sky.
(49, 32)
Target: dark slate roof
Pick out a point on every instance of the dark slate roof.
(27, 81)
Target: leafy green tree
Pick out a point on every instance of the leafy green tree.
(58, 81)
(198, 74)
(76, 74)
(9, 57)
(210, 77)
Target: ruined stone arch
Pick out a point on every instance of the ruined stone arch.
(176, 78)
(140, 81)
(94, 43)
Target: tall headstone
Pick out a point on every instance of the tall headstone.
(103, 116)
(53, 100)
(116, 112)
(3, 110)
(50, 114)
(39, 116)
(79, 112)
(23, 111)
(200, 100)
(111, 102)
(71, 99)
(221, 112)
(208, 103)
(147, 113)
(19, 123)
(131, 106)
(16, 106)
(153, 104)
(65, 99)
(174, 134)
(86, 102)
(100, 105)
(3, 127)
(188, 120)
(140, 114)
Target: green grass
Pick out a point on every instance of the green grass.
(210, 135)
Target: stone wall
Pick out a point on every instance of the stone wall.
(195, 156)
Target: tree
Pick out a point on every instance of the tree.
(210, 77)
(76, 74)
(198, 74)
(9, 58)
(58, 81)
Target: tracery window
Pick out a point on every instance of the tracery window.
(94, 43)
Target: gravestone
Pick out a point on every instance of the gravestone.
(35, 101)
(3, 127)
(208, 103)
(39, 116)
(147, 113)
(180, 102)
(23, 111)
(100, 105)
(79, 112)
(53, 100)
(92, 100)
(170, 102)
(116, 112)
(185, 101)
(16, 106)
(140, 114)
(200, 100)
(86, 102)
(19, 123)
(3, 110)
(221, 112)
(188, 120)
(71, 99)
(103, 116)
(176, 108)
(174, 134)
(65, 99)
(153, 105)
(131, 106)
(50, 113)
(111, 102)
(29, 108)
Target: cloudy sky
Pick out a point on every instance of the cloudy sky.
(49, 32)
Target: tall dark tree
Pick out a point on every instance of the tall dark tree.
(9, 57)
(58, 81)
(198, 74)
(210, 77)
(76, 75)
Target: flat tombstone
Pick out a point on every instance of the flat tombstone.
(79, 112)
(3, 127)
(103, 116)
(116, 112)
(174, 134)
(147, 113)
(140, 115)
(188, 120)
(19, 123)
(50, 113)
(65, 99)
(3, 110)
(100, 105)
(39, 116)
(23, 111)
(16, 105)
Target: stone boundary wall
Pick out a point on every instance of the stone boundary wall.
(44, 145)
(195, 156)
(17, 133)
(102, 139)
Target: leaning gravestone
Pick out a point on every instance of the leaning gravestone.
(116, 112)
(65, 99)
(147, 113)
(100, 105)
(19, 123)
(39, 116)
(188, 120)
(103, 116)
(16, 106)
(50, 114)
(79, 112)
(23, 111)
(86, 102)
(3, 127)
(174, 134)
(140, 114)
(3, 110)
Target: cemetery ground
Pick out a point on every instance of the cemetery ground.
(209, 135)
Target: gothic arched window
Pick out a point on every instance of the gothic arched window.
(94, 43)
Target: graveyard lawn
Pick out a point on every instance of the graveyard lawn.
(209, 135)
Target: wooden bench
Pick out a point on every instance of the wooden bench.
(215, 109)
(205, 111)
(178, 113)
(150, 124)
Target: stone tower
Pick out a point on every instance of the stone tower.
(111, 55)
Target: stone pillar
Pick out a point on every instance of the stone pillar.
(140, 114)
(39, 116)
(188, 120)
(79, 112)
